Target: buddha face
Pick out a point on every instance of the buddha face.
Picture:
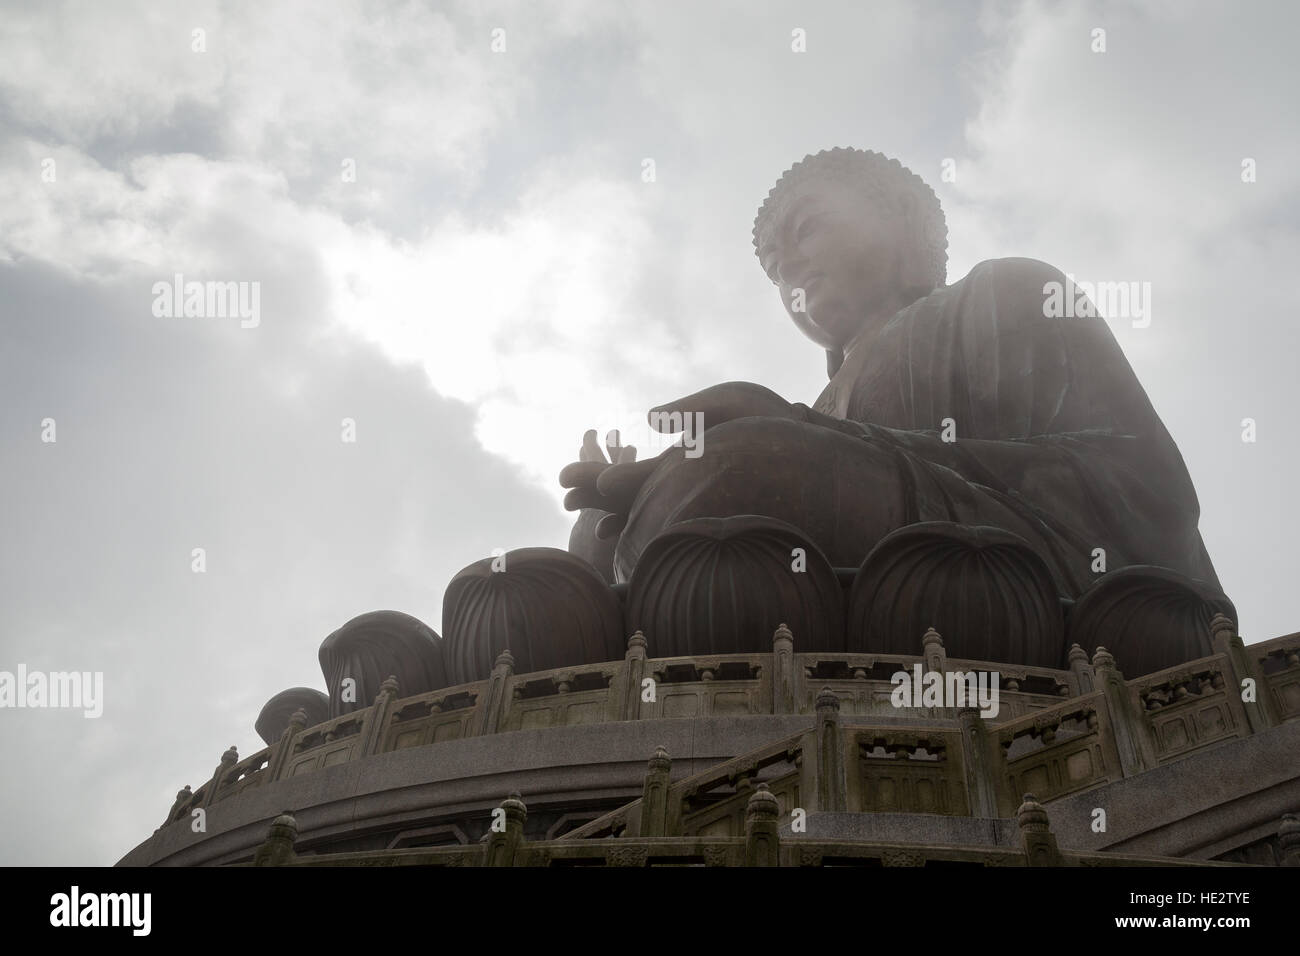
(841, 249)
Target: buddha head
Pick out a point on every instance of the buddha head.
(845, 234)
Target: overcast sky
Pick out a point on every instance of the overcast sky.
(500, 277)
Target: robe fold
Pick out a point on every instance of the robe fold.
(1055, 440)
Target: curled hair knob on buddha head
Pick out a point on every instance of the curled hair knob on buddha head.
(889, 181)
(901, 197)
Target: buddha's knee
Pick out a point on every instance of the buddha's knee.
(844, 492)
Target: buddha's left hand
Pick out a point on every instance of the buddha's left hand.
(721, 403)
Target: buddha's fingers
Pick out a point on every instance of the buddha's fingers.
(590, 450)
(581, 474)
(620, 483)
(613, 444)
(610, 526)
(585, 497)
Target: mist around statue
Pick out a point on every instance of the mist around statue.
(567, 434)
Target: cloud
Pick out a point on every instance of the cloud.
(499, 277)
(179, 433)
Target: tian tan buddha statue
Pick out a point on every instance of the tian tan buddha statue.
(973, 466)
(980, 467)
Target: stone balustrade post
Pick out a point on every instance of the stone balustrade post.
(1080, 671)
(784, 689)
(278, 848)
(629, 704)
(183, 797)
(762, 838)
(982, 772)
(228, 760)
(376, 719)
(278, 763)
(832, 788)
(506, 835)
(654, 795)
(933, 653)
(1262, 712)
(496, 701)
(1128, 724)
(1036, 836)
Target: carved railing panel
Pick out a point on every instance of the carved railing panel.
(860, 681)
(901, 771)
(715, 686)
(1048, 682)
(1191, 707)
(1279, 662)
(863, 697)
(335, 729)
(249, 772)
(558, 710)
(720, 812)
(430, 719)
(692, 799)
(689, 797)
(326, 745)
(1058, 751)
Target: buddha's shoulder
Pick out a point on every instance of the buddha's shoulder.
(1013, 271)
(1012, 283)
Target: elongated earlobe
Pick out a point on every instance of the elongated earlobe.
(834, 359)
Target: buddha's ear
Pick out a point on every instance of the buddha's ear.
(834, 359)
(913, 271)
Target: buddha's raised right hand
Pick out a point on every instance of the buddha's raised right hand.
(612, 484)
(606, 484)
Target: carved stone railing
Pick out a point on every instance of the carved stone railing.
(921, 771)
(718, 685)
(760, 841)
(249, 772)
(325, 745)
(1059, 750)
(1057, 731)
(726, 851)
(1191, 707)
(710, 802)
(1279, 662)
(433, 717)
(565, 696)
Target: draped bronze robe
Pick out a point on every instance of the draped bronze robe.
(1056, 441)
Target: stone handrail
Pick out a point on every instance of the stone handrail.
(721, 851)
(1126, 732)
(761, 842)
